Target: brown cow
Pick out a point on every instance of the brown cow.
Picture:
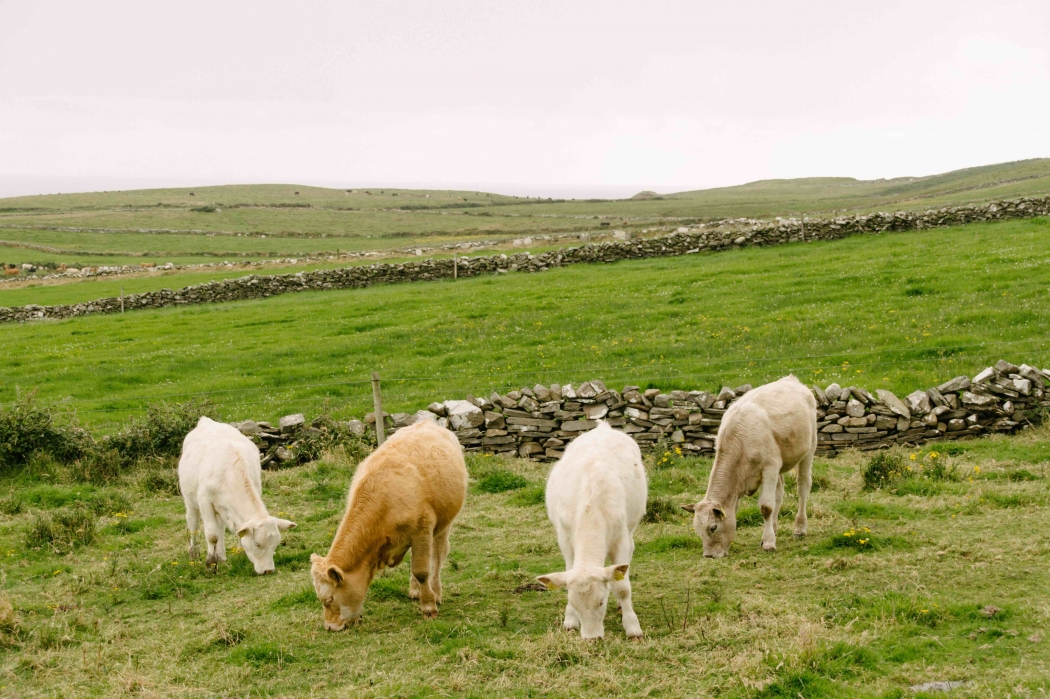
(404, 496)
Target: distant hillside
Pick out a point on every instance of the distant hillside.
(1019, 178)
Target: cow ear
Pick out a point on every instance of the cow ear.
(314, 558)
(335, 575)
(284, 525)
(718, 512)
(616, 572)
(243, 531)
(691, 507)
(552, 581)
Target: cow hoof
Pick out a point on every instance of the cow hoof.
(799, 533)
(413, 594)
(769, 547)
(634, 638)
(194, 553)
(430, 613)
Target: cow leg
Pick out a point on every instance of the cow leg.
(193, 523)
(779, 502)
(214, 534)
(622, 588)
(767, 501)
(572, 617)
(437, 560)
(805, 482)
(422, 551)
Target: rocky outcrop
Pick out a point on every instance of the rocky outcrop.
(684, 241)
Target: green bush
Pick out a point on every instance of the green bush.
(62, 531)
(28, 428)
(160, 432)
(500, 481)
(882, 469)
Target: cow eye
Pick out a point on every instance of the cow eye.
(714, 528)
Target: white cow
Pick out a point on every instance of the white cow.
(221, 482)
(595, 498)
(768, 432)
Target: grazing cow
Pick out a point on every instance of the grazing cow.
(766, 433)
(404, 496)
(595, 498)
(221, 482)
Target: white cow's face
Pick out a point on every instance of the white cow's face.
(259, 539)
(342, 593)
(716, 526)
(589, 588)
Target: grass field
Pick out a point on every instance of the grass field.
(948, 583)
(940, 576)
(900, 311)
(282, 220)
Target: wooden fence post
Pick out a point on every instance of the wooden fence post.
(803, 228)
(377, 404)
(121, 298)
(455, 266)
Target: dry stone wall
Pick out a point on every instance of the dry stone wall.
(537, 423)
(683, 242)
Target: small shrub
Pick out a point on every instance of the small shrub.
(882, 469)
(162, 480)
(28, 428)
(99, 466)
(160, 432)
(500, 481)
(662, 510)
(62, 531)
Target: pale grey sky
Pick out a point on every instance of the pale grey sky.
(569, 99)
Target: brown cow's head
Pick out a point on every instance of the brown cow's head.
(716, 526)
(342, 593)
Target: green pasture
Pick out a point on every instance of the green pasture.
(272, 220)
(930, 579)
(898, 311)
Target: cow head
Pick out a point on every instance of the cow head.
(588, 588)
(259, 539)
(716, 525)
(342, 592)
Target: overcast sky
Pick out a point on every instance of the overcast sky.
(567, 98)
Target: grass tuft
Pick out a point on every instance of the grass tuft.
(500, 481)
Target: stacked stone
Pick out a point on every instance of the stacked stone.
(693, 240)
(1002, 398)
(537, 423)
(291, 442)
